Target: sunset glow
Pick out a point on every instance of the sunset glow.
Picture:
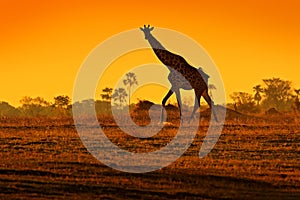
(44, 43)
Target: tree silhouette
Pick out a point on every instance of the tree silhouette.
(296, 103)
(243, 101)
(6, 110)
(257, 97)
(37, 106)
(61, 101)
(130, 81)
(61, 104)
(38, 101)
(120, 96)
(297, 91)
(278, 93)
(107, 93)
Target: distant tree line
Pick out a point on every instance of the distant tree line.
(61, 105)
(37, 107)
(274, 93)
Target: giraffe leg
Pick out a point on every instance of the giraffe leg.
(197, 103)
(177, 92)
(164, 104)
(210, 103)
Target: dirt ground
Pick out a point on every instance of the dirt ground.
(46, 159)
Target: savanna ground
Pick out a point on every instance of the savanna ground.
(254, 158)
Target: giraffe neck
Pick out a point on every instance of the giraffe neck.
(165, 56)
(155, 44)
(159, 50)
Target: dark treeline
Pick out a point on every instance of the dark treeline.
(38, 107)
(60, 107)
(275, 93)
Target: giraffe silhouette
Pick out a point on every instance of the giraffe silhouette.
(182, 75)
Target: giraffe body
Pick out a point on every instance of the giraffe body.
(182, 74)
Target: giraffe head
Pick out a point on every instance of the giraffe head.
(147, 30)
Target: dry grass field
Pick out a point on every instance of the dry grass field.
(255, 158)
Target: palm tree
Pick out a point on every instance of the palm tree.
(257, 97)
(130, 81)
(120, 95)
(211, 87)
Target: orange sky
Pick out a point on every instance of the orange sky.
(43, 43)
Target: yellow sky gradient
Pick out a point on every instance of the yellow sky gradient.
(44, 43)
